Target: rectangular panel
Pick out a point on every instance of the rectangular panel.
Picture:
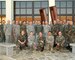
(63, 11)
(74, 4)
(29, 11)
(17, 5)
(23, 11)
(23, 4)
(69, 18)
(17, 18)
(37, 18)
(36, 11)
(63, 4)
(74, 10)
(37, 4)
(45, 4)
(57, 4)
(58, 10)
(47, 11)
(17, 11)
(23, 18)
(63, 18)
(29, 18)
(0, 11)
(3, 11)
(29, 4)
(69, 4)
(69, 11)
(0, 4)
(3, 5)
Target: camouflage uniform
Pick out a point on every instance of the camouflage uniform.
(30, 28)
(31, 41)
(46, 28)
(49, 42)
(8, 32)
(60, 40)
(41, 41)
(22, 38)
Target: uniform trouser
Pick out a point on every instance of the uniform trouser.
(49, 46)
(16, 38)
(8, 39)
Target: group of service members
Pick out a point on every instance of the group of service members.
(35, 35)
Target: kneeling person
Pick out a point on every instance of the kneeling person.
(60, 40)
(22, 40)
(49, 41)
(41, 41)
(31, 40)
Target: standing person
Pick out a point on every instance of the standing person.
(41, 41)
(38, 28)
(31, 40)
(13, 30)
(1, 34)
(22, 40)
(30, 28)
(16, 31)
(23, 26)
(46, 28)
(8, 32)
(49, 41)
(60, 40)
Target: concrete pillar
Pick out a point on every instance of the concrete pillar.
(9, 10)
(51, 3)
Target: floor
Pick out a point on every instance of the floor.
(37, 55)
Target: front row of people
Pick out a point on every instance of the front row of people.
(42, 42)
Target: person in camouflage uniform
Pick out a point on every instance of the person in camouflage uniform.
(22, 40)
(16, 31)
(23, 26)
(49, 41)
(1, 34)
(46, 28)
(30, 28)
(38, 27)
(60, 39)
(41, 40)
(31, 40)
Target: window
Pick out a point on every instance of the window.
(69, 4)
(63, 11)
(57, 4)
(17, 5)
(29, 10)
(29, 4)
(37, 4)
(63, 4)
(23, 11)
(36, 11)
(23, 4)
(44, 4)
(2, 11)
(69, 11)
(66, 9)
